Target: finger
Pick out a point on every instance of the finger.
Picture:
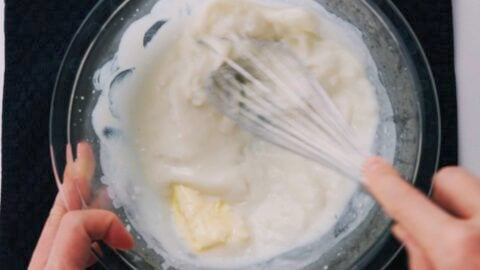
(71, 249)
(101, 200)
(417, 257)
(78, 175)
(82, 168)
(69, 154)
(409, 207)
(68, 172)
(44, 244)
(93, 257)
(457, 191)
(84, 164)
(68, 190)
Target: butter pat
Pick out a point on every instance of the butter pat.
(206, 222)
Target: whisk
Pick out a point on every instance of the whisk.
(268, 91)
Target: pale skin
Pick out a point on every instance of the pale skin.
(67, 236)
(439, 233)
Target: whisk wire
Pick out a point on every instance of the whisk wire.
(259, 103)
(328, 124)
(268, 91)
(283, 135)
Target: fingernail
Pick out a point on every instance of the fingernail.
(372, 164)
(69, 153)
(79, 146)
(400, 234)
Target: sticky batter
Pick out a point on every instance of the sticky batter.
(200, 190)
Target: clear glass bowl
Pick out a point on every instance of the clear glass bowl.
(403, 70)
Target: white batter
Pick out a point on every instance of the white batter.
(159, 132)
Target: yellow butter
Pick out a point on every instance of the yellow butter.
(205, 221)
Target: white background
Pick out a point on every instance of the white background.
(467, 60)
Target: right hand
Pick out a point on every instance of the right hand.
(442, 233)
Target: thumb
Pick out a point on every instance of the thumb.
(71, 249)
(411, 209)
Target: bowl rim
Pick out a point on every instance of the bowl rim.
(427, 165)
(104, 11)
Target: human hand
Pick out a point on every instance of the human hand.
(66, 239)
(442, 233)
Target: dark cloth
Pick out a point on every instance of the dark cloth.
(37, 36)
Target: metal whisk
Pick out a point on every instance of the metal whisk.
(269, 92)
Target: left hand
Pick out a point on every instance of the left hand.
(66, 239)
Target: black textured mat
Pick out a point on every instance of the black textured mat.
(37, 35)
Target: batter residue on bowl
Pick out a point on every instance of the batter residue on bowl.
(198, 189)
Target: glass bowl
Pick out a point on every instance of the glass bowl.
(403, 70)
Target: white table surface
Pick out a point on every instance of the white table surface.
(467, 63)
